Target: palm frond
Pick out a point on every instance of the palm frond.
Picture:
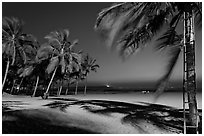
(54, 41)
(175, 20)
(94, 67)
(66, 35)
(52, 65)
(134, 27)
(74, 43)
(76, 56)
(115, 8)
(174, 52)
(197, 7)
(44, 51)
(12, 26)
(133, 41)
(58, 38)
(5, 34)
(5, 46)
(27, 71)
(30, 52)
(18, 26)
(169, 38)
(89, 64)
(75, 66)
(7, 25)
(112, 23)
(23, 54)
(16, 41)
(28, 39)
(156, 22)
(68, 69)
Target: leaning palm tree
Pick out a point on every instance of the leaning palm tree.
(62, 53)
(88, 65)
(130, 26)
(14, 42)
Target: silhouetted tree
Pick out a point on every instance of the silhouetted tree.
(62, 53)
(88, 65)
(14, 42)
(131, 25)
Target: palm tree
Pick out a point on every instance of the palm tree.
(34, 67)
(12, 76)
(77, 75)
(68, 79)
(59, 77)
(37, 69)
(14, 42)
(88, 65)
(131, 26)
(69, 74)
(62, 53)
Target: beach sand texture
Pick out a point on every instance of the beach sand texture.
(131, 113)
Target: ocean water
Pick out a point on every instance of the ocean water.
(169, 97)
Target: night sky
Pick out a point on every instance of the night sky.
(146, 66)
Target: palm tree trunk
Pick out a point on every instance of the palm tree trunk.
(67, 89)
(36, 85)
(6, 73)
(85, 85)
(60, 89)
(165, 79)
(14, 81)
(14, 54)
(189, 52)
(76, 87)
(51, 81)
(20, 84)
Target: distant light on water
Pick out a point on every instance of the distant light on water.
(107, 85)
(145, 92)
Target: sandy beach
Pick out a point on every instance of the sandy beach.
(131, 113)
(109, 68)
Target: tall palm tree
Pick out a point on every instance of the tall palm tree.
(77, 75)
(62, 53)
(69, 74)
(88, 65)
(130, 26)
(33, 66)
(67, 79)
(14, 42)
(37, 69)
(12, 76)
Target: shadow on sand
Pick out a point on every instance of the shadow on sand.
(167, 118)
(164, 117)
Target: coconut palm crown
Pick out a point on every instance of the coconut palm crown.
(60, 51)
(88, 65)
(130, 26)
(17, 47)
